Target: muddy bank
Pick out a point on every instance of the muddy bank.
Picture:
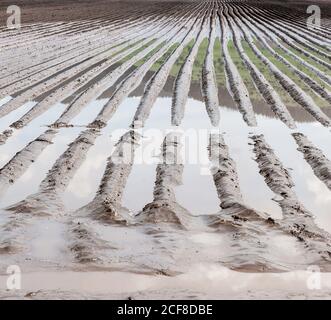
(315, 157)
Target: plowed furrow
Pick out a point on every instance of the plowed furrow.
(209, 85)
(236, 85)
(264, 87)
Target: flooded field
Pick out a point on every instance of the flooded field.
(166, 150)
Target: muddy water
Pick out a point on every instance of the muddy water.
(197, 192)
(175, 249)
(15, 115)
(20, 138)
(5, 100)
(194, 177)
(29, 182)
(85, 183)
(213, 282)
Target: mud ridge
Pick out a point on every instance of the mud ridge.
(183, 80)
(297, 220)
(290, 86)
(18, 165)
(164, 208)
(106, 207)
(264, 87)
(236, 85)
(246, 226)
(155, 85)
(5, 135)
(47, 201)
(320, 164)
(208, 78)
(133, 80)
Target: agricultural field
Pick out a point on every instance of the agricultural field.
(165, 149)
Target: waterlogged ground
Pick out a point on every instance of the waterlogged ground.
(168, 162)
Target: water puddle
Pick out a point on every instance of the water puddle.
(89, 113)
(29, 182)
(311, 192)
(5, 100)
(202, 281)
(24, 136)
(197, 192)
(48, 240)
(84, 185)
(7, 120)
